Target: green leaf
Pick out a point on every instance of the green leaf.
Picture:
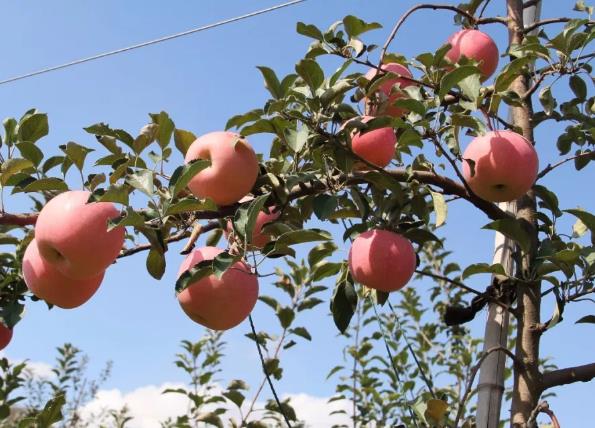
(286, 316)
(241, 119)
(115, 193)
(51, 413)
(156, 263)
(440, 208)
(76, 153)
(235, 396)
(33, 127)
(324, 269)
(587, 319)
(586, 217)
(166, 128)
(452, 78)
(547, 100)
(190, 205)
(10, 129)
(183, 174)
(296, 139)
(42, 184)
(510, 72)
(143, 181)
(325, 205)
(102, 129)
(12, 167)
(210, 418)
(477, 268)
(302, 332)
(512, 229)
(222, 262)
(183, 140)
(245, 217)
(309, 30)
(302, 236)
(271, 82)
(320, 252)
(343, 303)
(579, 87)
(129, 218)
(30, 151)
(310, 71)
(355, 26)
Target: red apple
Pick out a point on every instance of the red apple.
(259, 238)
(382, 260)
(384, 104)
(233, 170)
(5, 336)
(477, 46)
(48, 283)
(506, 166)
(72, 235)
(218, 304)
(376, 146)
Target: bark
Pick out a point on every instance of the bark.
(527, 381)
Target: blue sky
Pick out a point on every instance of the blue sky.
(201, 81)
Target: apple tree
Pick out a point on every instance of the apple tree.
(373, 145)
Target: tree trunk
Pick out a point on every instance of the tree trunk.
(527, 380)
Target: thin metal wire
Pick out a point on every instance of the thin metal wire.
(150, 42)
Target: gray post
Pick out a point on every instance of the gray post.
(491, 376)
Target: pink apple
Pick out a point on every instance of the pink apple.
(233, 170)
(477, 46)
(376, 146)
(259, 238)
(382, 260)
(48, 283)
(72, 235)
(5, 336)
(385, 106)
(506, 166)
(218, 304)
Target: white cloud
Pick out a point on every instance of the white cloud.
(40, 370)
(149, 406)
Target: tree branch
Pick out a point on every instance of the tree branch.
(459, 11)
(27, 219)
(550, 167)
(568, 375)
(543, 22)
(544, 407)
(474, 371)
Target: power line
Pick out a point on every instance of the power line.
(151, 42)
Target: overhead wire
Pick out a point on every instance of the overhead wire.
(151, 42)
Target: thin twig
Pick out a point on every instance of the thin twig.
(266, 373)
(459, 11)
(550, 167)
(392, 361)
(412, 352)
(197, 230)
(543, 22)
(474, 371)
(543, 407)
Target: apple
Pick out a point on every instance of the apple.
(475, 45)
(383, 106)
(382, 260)
(233, 170)
(45, 281)
(72, 235)
(5, 336)
(376, 146)
(505, 166)
(218, 304)
(259, 238)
